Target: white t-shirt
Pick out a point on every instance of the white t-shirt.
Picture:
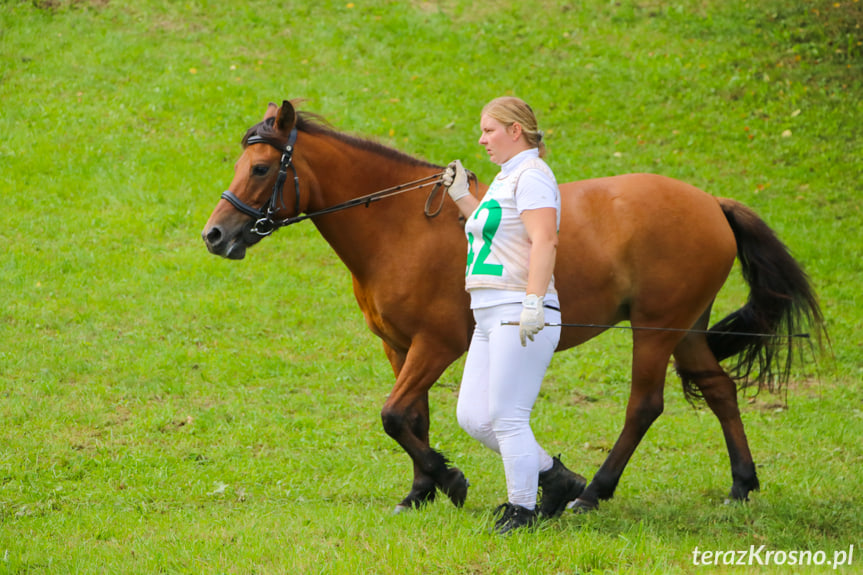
(498, 244)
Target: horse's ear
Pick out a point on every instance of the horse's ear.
(286, 117)
(271, 112)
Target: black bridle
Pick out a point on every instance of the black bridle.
(266, 222)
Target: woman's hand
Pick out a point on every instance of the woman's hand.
(532, 318)
(457, 185)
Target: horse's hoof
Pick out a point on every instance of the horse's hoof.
(580, 506)
(740, 491)
(455, 486)
(401, 508)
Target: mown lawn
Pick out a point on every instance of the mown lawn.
(162, 410)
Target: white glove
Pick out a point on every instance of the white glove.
(532, 318)
(455, 180)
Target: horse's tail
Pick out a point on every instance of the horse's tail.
(781, 303)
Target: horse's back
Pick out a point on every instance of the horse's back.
(635, 207)
(637, 246)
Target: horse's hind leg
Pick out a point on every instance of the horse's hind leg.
(650, 354)
(698, 368)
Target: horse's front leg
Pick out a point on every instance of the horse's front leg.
(405, 417)
(431, 468)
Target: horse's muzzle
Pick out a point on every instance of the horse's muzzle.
(219, 243)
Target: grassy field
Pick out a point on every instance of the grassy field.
(162, 410)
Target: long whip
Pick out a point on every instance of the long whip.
(673, 329)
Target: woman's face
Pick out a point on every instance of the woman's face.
(501, 142)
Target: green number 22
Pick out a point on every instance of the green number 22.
(492, 222)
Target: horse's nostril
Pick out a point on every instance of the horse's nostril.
(213, 236)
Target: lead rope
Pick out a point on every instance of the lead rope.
(438, 185)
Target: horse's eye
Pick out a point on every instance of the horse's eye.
(260, 170)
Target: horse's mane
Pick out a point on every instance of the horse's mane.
(314, 124)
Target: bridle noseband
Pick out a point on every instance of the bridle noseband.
(265, 221)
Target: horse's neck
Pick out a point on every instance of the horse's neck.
(365, 238)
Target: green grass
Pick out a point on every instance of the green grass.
(162, 410)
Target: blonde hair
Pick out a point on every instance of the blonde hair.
(509, 110)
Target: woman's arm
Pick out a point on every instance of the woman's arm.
(541, 226)
(466, 205)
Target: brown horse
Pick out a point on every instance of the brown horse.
(643, 248)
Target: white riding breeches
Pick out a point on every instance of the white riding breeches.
(500, 384)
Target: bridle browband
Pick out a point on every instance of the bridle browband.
(265, 220)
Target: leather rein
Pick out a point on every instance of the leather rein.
(266, 221)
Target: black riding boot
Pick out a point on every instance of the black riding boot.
(513, 517)
(559, 486)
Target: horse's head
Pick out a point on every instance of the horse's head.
(257, 203)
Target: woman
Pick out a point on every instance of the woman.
(512, 242)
